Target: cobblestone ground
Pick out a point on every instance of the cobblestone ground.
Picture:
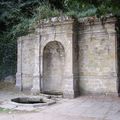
(82, 108)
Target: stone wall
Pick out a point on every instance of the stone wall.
(25, 62)
(82, 60)
(43, 71)
(97, 57)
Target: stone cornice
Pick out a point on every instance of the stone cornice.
(55, 21)
(95, 21)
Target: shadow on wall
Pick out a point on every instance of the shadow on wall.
(118, 55)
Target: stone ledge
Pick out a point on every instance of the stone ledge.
(55, 21)
(96, 21)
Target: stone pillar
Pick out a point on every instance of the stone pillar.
(19, 65)
(112, 51)
(36, 75)
(71, 89)
(113, 40)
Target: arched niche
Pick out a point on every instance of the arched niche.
(53, 68)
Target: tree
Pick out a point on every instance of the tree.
(17, 17)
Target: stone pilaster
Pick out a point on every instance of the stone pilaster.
(71, 75)
(36, 75)
(19, 65)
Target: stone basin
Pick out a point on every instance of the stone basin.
(32, 101)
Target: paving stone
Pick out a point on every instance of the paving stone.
(82, 108)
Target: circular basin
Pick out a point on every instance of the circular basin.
(32, 101)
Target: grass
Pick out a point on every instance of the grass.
(4, 110)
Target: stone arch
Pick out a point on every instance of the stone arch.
(53, 67)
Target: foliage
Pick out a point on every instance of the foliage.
(93, 7)
(17, 17)
(79, 9)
